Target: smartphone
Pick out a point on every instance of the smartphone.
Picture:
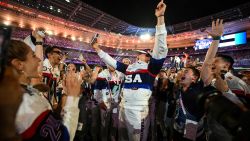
(41, 33)
(94, 39)
(5, 34)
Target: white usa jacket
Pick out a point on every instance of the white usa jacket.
(35, 120)
(108, 87)
(238, 86)
(139, 77)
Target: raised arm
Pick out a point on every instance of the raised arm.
(87, 68)
(109, 60)
(70, 112)
(160, 47)
(38, 49)
(216, 33)
(94, 74)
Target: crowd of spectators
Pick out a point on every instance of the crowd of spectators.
(75, 48)
(55, 88)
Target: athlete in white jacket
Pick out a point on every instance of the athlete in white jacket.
(108, 87)
(139, 78)
(35, 119)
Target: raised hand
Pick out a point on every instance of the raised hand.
(72, 84)
(160, 9)
(96, 47)
(217, 28)
(37, 36)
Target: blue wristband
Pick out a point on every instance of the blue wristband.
(216, 37)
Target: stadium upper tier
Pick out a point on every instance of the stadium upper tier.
(241, 53)
(61, 21)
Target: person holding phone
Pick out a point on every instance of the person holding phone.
(139, 79)
(35, 118)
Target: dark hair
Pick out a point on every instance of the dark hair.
(49, 50)
(227, 59)
(17, 49)
(195, 71)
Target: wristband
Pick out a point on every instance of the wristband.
(161, 16)
(39, 43)
(216, 37)
(62, 62)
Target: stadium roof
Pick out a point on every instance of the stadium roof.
(80, 12)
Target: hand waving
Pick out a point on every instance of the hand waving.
(160, 9)
(217, 28)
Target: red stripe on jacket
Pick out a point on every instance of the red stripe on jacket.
(27, 134)
(141, 71)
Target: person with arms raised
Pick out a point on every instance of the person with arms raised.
(139, 79)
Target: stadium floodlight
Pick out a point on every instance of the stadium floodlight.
(67, 0)
(73, 38)
(7, 23)
(49, 32)
(145, 36)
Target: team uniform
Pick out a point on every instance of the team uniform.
(35, 120)
(238, 86)
(137, 88)
(107, 90)
(51, 77)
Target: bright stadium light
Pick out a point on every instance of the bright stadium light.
(67, 0)
(7, 23)
(73, 38)
(145, 36)
(49, 32)
(21, 25)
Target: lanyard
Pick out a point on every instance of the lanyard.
(182, 105)
(116, 81)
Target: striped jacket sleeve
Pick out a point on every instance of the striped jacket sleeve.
(107, 59)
